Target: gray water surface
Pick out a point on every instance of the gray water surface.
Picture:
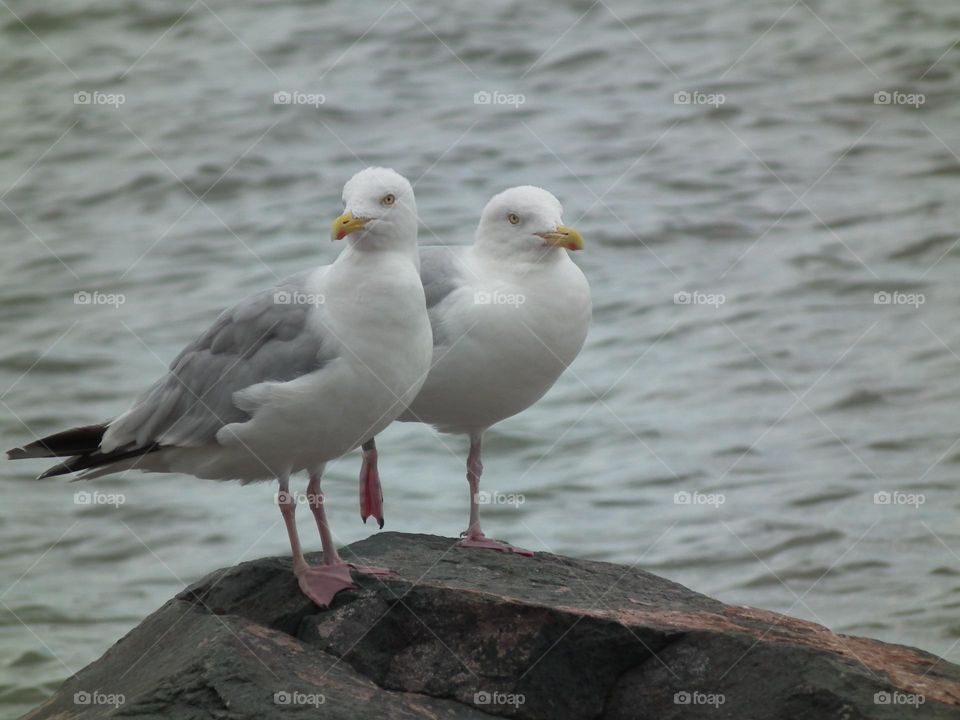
(796, 199)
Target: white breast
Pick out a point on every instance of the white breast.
(375, 311)
(507, 338)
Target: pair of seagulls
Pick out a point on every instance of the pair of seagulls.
(298, 375)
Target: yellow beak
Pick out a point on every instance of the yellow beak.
(565, 237)
(345, 225)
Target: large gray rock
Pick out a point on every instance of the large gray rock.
(468, 634)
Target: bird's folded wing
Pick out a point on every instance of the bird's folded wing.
(441, 272)
(266, 337)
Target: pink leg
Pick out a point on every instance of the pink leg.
(318, 584)
(371, 494)
(330, 556)
(473, 536)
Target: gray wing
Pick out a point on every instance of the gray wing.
(441, 272)
(262, 338)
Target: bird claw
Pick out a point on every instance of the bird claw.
(321, 584)
(372, 570)
(371, 493)
(480, 541)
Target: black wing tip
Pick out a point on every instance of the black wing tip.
(36, 449)
(83, 440)
(24, 454)
(61, 469)
(17, 454)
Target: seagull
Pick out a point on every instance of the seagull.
(288, 379)
(509, 314)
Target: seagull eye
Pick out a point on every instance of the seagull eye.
(389, 199)
(513, 218)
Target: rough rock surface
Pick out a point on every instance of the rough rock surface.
(469, 634)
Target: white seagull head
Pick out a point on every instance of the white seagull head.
(379, 210)
(525, 219)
